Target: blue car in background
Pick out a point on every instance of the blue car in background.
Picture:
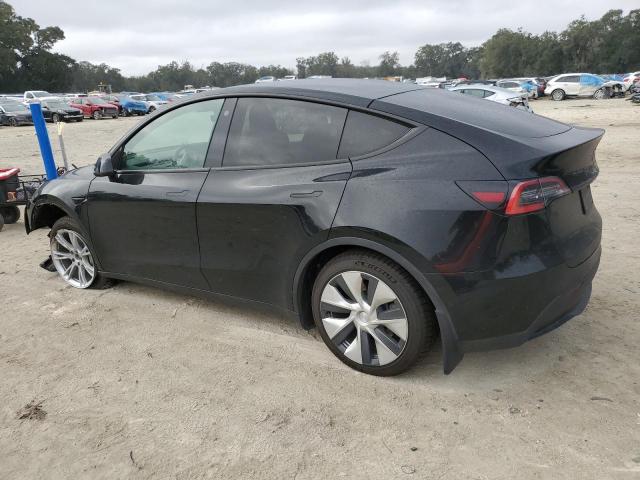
(130, 106)
(164, 96)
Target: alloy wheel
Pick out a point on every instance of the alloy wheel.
(364, 318)
(72, 258)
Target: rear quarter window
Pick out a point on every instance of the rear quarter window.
(364, 133)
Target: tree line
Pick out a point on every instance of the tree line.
(610, 44)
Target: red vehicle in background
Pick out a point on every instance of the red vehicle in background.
(94, 107)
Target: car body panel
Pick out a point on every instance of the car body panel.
(251, 220)
(163, 202)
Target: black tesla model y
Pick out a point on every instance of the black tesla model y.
(383, 214)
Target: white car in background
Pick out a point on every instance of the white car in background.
(630, 79)
(289, 77)
(495, 94)
(265, 79)
(581, 85)
(514, 86)
(31, 96)
(153, 102)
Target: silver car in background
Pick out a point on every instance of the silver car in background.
(495, 94)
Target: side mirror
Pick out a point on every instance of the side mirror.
(104, 166)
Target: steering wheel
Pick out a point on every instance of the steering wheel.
(183, 157)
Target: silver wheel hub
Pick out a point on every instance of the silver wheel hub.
(72, 258)
(364, 318)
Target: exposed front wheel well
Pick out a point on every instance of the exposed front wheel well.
(45, 216)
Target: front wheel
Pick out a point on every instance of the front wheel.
(96, 115)
(72, 257)
(558, 95)
(371, 313)
(55, 118)
(599, 94)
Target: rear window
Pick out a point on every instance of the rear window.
(364, 133)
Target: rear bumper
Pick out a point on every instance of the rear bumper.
(556, 295)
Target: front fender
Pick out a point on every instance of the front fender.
(68, 194)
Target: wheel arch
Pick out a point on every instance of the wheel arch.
(313, 261)
(46, 211)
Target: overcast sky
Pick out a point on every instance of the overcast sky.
(138, 36)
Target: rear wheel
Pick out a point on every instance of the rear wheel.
(55, 118)
(72, 257)
(1, 223)
(13, 122)
(371, 313)
(10, 214)
(558, 94)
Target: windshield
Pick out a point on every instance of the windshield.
(40, 93)
(97, 101)
(153, 98)
(55, 105)
(13, 107)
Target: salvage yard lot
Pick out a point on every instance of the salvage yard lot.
(141, 383)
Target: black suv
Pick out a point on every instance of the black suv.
(382, 213)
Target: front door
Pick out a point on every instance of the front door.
(143, 219)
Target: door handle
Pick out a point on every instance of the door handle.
(181, 193)
(315, 193)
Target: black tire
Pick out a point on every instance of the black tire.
(600, 94)
(152, 109)
(55, 118)
(114, 116)
(100, 282)
(558, 95)
(13, 122)
(97, 115)
(419, 312)
(79, 119)
(10, 214)
(1, 222)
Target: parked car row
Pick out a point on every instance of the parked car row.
(74, 107)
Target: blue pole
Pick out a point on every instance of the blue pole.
(43, 140)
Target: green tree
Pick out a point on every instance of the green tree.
(389, 64)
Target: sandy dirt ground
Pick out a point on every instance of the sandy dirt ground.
(140, 383)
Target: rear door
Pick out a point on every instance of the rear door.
(143, 219)
(273, 197)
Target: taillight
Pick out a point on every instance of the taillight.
(533, 195)
(490, 194)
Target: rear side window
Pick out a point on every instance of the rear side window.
(273, 131)
(569, 78)
(364, 133)
(475, 92)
